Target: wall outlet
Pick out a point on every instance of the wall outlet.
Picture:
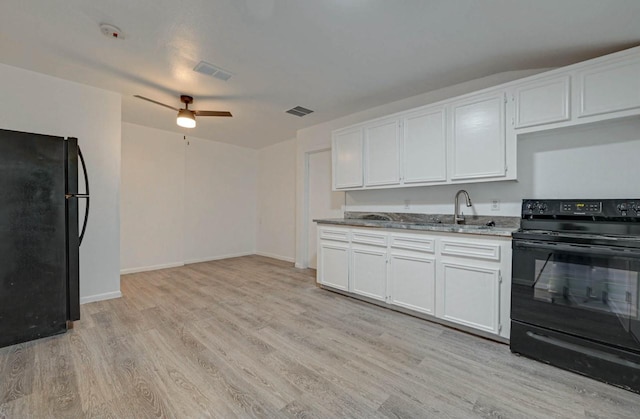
(495, 205)
(406, 203)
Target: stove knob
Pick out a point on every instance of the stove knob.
(622, 208)
(543, 207)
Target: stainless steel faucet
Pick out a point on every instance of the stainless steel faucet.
(459, 218)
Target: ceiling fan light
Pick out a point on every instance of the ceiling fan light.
(186, 118)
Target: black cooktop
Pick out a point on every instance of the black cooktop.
(606, 222)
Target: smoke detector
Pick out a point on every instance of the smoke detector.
(111, 31)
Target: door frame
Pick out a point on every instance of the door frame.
(305, 205)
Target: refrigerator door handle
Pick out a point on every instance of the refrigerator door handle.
(85, 195)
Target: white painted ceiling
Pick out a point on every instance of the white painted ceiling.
(333, 56)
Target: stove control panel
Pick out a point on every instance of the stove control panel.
(559, 208)
(581, 207)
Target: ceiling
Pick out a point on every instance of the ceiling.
(335, 57)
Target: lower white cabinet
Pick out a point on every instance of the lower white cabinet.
(469, 294)
(412, 281)
(333, 264)
(369, 271)
(454, 277)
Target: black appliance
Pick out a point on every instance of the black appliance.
(39, 241)
(576, 287)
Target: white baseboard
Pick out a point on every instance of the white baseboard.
(273, 256)
(100, 297)
(299, 266)
(150, 268)
(209, 259)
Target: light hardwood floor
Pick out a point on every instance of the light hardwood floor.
(254, 337)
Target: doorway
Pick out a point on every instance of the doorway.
(321, 201)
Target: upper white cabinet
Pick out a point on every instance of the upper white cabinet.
(542, 102)
(609, 87)
(425, 146)
(473, 138)
(478, 137)
(347, 158)
(382, 153)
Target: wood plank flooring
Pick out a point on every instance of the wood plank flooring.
(254, 337)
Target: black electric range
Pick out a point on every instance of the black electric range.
(576, 287)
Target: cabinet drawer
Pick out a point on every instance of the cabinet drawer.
(418, 243)
(487, 251)
(375, 239)
(337, 235)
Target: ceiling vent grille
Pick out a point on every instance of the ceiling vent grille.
(299, 111)
(209, 69)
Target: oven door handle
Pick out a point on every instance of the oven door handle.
(591, 250)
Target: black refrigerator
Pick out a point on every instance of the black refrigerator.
(39, 240)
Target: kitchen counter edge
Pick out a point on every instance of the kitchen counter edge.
(444, 228)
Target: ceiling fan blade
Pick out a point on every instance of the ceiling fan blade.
(156, 102)
(213, 113)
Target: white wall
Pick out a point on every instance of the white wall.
(220, 201)
(153, 169)
(275, 236)
(34, 102)
(184, 201)
(318, 137)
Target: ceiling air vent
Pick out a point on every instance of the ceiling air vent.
(299, 111)
(211, 70)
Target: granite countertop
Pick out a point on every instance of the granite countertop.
(504, 226)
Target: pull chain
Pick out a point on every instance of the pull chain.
(184, 137)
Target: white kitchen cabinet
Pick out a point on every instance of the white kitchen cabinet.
(611, 86)
(412, 281)
(412, 271)
(453, 277)
(473, 138)
(424, 153)
(347, 158)
(333, 264)
(369, 263)
(333, 257)
(369, 271)
(542, 102)
(382, 153)
(469, 294)
(478, 137)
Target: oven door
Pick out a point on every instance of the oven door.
(586, 291)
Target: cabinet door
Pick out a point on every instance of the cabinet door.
(542, 102)
(609, 87)
(412, 281)
(424, 146)
(382, 153)
(369, 271)
(347, 159)
(469, 295)
(333, 264)
(478, 137)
